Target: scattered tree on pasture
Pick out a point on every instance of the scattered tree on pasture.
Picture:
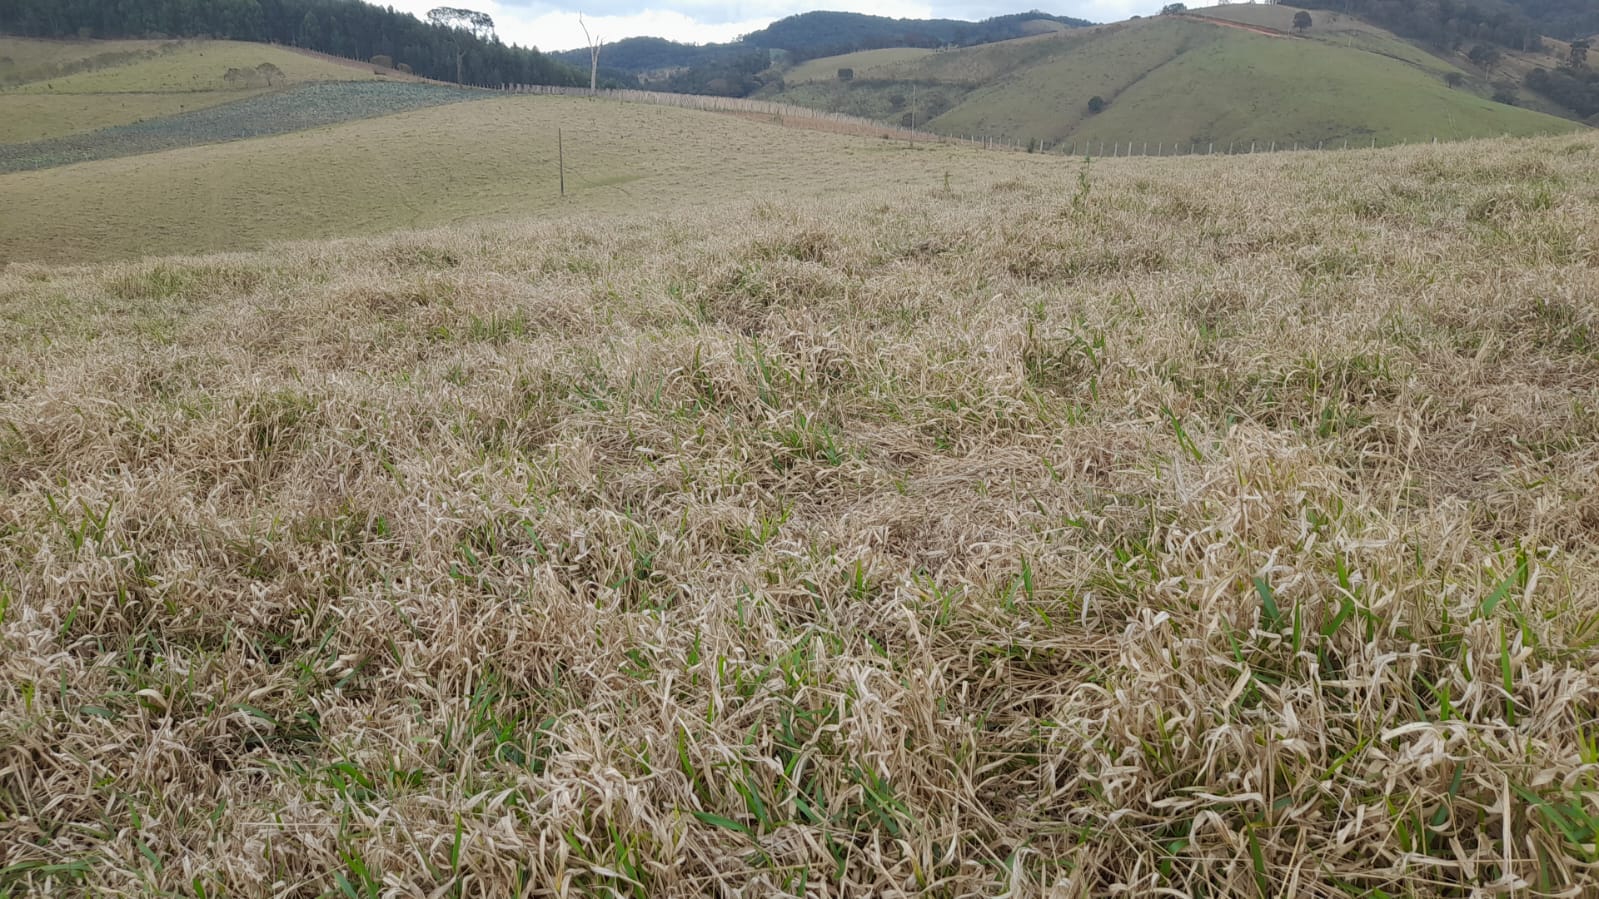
(1484, 57)
(1302, 21)
(846, 74)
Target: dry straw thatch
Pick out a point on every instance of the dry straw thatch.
(1215, 528)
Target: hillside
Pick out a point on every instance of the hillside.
(1188, 81)
(816, 34)
(418, 169)
(51, 89)
(861, 62)
(1561, 18)
(1506, 76)
(1446, 24)
(650, 61)
(819, 518)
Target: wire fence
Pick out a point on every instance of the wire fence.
(1113, 148)
(742, 105)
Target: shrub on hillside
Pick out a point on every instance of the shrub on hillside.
(1096, 103)
(384, 60)
(846, 74)
(1484, 57)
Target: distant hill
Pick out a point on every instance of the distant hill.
(798, 38)
(1184, 80)
(637, 55)
(815, 34)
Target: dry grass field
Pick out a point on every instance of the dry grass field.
(416, 169)
(1214, 527)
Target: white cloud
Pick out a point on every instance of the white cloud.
(550, 26)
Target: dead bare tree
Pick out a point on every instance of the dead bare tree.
(595, 42)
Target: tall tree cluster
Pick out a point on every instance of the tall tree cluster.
(347, 28)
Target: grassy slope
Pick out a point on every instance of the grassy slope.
(1257, 88)
(863, 62)
(30, 59)
(1053, 92)
(281, 111)
(200, 66)
(1326, 26)
(1219, 527)
(949, 76)
(1182, 80)
(179, 77)
(416, 169)
(27, 117)
(1344, 30)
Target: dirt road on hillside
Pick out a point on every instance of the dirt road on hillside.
(1256, 29)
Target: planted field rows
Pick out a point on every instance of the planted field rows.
(282, 112)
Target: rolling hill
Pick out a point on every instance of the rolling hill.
(861, 62)
(1186, 80)
(420, 169)
(52, 89)
(69, 102)
(1505, 77)
(812, 35)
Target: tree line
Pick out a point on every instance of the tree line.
(1444, 24)
(814, 35)
(797, 38)
(348, 28)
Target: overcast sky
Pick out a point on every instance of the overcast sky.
(553, 25)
